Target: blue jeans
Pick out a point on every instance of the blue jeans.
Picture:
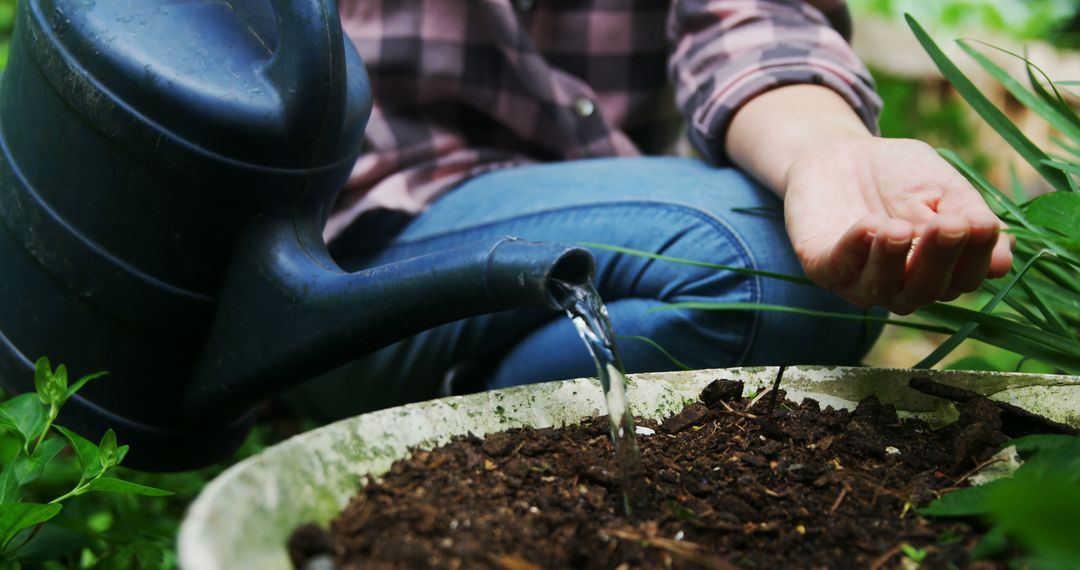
(672, 206)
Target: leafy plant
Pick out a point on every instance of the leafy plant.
(30, 417)
(1035, 509)
(1043, 314)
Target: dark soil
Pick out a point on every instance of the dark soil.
(728, 488)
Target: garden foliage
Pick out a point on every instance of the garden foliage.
(39, 441)
(1037, 506)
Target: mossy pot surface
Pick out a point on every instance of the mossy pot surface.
(243, 518)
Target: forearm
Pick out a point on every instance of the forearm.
(773, 130)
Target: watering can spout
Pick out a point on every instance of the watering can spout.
(288, 312)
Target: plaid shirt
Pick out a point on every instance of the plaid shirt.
(463, 87)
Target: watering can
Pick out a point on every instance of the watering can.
(166, 169)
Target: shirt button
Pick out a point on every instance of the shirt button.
(584, 107)
(524, 5)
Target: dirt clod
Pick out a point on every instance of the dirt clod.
(720, 390)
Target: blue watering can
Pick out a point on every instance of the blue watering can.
(167, 167)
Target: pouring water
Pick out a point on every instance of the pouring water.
(589, 315)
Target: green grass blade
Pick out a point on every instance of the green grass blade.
(717, 306)
(1060, 278)
(1064, 302)
(965, 331)
(1047, 106)
(986, 187)
(1063, 166)
(659, 348)
(1019, 303)
(1014, 182)
(991, 114)
(760, 211)
(1064, 145)
(958, 316)
(1046, 239)
(1057, 100)
(757, 272)
(1015, 343)
(1053, 319)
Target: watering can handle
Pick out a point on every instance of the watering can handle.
(309, 59)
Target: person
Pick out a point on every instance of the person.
(543, 119)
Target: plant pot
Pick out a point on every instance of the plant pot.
(244, 517)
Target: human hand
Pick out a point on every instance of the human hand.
(854, 208)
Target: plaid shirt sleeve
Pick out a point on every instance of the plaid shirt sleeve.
(725, 52)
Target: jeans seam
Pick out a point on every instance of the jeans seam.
(715, 222)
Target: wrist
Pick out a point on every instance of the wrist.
(776, 129)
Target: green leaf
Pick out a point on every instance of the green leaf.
(24, 414)
(86, 451)
(993, 543)
(29, 469)
(17, 516)
(82, 382)
(107, 449)
(113, 485)
(10, 491)
(1045, 442)
(962, 503)
(1037, 510)
(1058, 211)
(42, 376)
(994, 117)
(51, 542)
(59, 385)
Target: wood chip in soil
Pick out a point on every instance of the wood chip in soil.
(727, 488)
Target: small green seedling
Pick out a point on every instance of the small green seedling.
(916, 555)
(30, 417)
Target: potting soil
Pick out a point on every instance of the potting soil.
(730, 485)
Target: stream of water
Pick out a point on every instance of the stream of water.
(587, 311)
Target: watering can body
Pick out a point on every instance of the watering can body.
(166, 169)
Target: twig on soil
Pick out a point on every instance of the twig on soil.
(879, 489)
(775, 391)
(959, 481)
(689, 550)
(757, 399)
(511, 562)
(729, 410)
(881, 560)
(839, 499)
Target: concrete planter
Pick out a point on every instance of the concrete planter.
(243, 518)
